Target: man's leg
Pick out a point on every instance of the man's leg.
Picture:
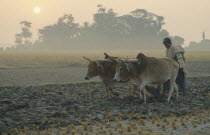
(180, 80)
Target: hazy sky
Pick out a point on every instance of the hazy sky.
(187, 18)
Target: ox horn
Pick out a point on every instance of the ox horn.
(108, 56)
(87, 58)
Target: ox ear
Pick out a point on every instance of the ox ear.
(87, 58)
(109, 57)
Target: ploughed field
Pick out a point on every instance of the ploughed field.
(43, 92)
(83, 108)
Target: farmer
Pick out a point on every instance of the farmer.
(177, 53)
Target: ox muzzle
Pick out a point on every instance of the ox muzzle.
(116, 78)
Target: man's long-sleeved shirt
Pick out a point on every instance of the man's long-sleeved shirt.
(177, 52)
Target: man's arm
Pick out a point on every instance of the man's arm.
(183, 57)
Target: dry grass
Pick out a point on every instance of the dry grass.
(22, 59)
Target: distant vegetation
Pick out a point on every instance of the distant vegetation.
(139, 29)
(202, 45)
(24, 59)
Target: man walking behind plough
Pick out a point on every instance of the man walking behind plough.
(177, 53)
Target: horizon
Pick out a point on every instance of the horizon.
(174, 12)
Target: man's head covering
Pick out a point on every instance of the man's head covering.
(167, 41)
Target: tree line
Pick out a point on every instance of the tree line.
(139, 29)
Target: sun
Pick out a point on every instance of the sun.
(37, 10)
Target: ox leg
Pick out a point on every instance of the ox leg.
(135, 88)
(142, 85)
(107, 90)
(161, 88)
(140, 93)
(110, 89)
(115, 93)
(172, 85)
(145, 95)
(177, 90)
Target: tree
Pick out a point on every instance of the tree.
(177, 40)
(162, 34)
(18, 39)
(61, 34)
(23, 37)
(26, 33)
(105, 22)
(138, 29)
(145, 28)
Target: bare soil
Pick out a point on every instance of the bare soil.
(67, 107)
(40, 108)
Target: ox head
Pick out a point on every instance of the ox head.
(94, 68)
(123, 69)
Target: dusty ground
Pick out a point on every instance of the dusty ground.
(67, 74)
(79, 105)
(66, 107)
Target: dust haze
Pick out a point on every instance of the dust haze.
(122, 25)
(47, 46)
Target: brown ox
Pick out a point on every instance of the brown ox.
(148, 70)
(105, 69)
